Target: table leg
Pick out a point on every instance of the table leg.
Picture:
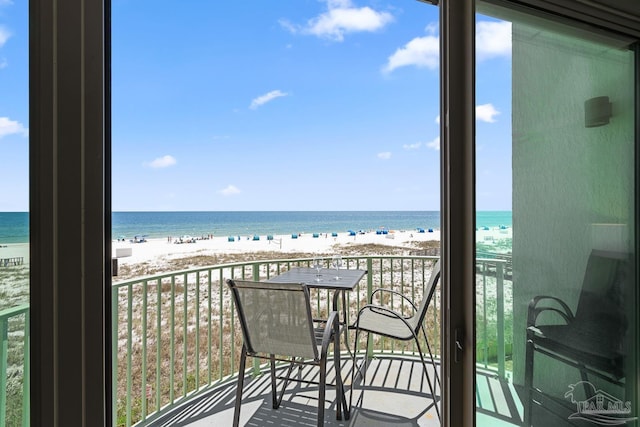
(340, 397)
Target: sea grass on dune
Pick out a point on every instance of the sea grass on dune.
(165, 264)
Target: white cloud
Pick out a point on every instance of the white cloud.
(438, 119)
(4, 35)
(415, 146)
(163, 162)
(11, 127)
(385, 155)
(493, 39)
(342, 17)
(422, 52)
(263, 99)
(229, 190)
(434, 144)
(486, 113)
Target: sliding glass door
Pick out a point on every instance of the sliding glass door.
(556, 342)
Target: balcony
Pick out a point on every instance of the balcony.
(177, 343)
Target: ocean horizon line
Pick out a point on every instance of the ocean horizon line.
(14, 227)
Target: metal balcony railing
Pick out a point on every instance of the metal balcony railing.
(175, 335)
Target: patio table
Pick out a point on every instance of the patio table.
(347, 281)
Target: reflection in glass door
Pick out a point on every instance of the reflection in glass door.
(556, 219)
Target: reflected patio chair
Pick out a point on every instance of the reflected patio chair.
(592, 339)
(381, 320)
(277, 325)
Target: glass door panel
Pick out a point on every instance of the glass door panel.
(14, 214)
(555, 215)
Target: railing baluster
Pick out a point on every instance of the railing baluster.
(114, 352)
(402, 302)
(209, 328)
(221, 325)
(185, 286)
(26, 373)
(4, 350)
(197, 316)
(391, 281)
(233, 334)
(369, 351)
(129, 349)
(144, 350)
(172, 340)
(500, 318)
(158, 344)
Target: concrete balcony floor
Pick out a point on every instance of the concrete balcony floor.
(395, 393)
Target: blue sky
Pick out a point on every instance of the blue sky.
(287, 105)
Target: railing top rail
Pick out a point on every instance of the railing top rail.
(14, 311)
(156, 277)
(493, 260)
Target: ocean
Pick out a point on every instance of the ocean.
(14, 226)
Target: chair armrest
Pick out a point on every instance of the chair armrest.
(383, 311)
(328, 330)
(534, 311)
(415, 308)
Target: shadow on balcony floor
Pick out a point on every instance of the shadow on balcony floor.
(396, 394)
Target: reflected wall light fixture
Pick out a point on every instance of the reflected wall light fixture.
(597, 111)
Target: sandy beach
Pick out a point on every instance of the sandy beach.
(162, 255)
(323, 243)
(162, 249)
(157, 249)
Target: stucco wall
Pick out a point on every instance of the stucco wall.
(566, 177)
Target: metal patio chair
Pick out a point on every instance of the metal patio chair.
(592, 339)
(380, 320)
(277, 325)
